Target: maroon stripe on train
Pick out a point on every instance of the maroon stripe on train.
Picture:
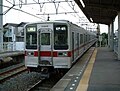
(49, 53)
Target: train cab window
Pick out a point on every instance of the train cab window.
(31, 37)
(60, 37)
(45, 38)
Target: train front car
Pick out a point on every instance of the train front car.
(47, 46)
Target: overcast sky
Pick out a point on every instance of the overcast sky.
(15, 16)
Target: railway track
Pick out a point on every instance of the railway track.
(31, 82)
(45, 84)
(12, 72)
(33, 86)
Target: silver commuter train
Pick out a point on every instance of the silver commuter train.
(55, 44)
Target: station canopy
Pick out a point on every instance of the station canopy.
(100, 11)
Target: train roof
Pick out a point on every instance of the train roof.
(54, 21)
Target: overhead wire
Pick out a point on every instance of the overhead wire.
(40, 4)
(74, 11)
(70, 7)
(23, 11)
(62, 8)
(9, 2)
(78, 14)
(20, 1)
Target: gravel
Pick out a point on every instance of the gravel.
(20, 82)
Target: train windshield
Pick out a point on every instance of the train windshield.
(31, 37)
(60, 37)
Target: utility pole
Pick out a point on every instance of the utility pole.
(1, 25)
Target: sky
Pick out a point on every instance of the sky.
(104, 28)
(15, 16)
(116, 23)
(46, 8)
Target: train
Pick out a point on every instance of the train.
(55, 44)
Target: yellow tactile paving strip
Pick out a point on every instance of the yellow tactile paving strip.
(83, 85)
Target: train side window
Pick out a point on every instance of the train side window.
(89, 37)
(84, 38)
(77, 39)
(81, 38)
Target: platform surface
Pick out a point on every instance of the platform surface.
(105, 75)
(70, 80)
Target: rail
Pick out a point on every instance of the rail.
(31, 88)
(12, 72)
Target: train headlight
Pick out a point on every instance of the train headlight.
(65, 54)
(27, 53)
(62, 54)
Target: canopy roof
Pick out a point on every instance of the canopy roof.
(100, 11)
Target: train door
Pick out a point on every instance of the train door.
(45, 47)
(72, 46)
(77, 44)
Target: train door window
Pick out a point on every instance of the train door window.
(45, 38)
(60, 37)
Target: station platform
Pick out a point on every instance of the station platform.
(97, 70)
(105, 75)
(11, 53)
